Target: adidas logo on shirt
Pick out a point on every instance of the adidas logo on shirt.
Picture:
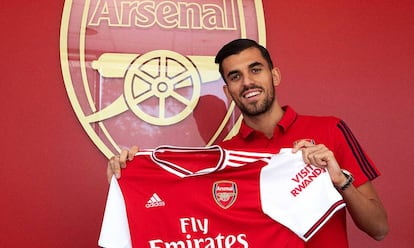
(155, 201)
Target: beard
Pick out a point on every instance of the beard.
(257, 108)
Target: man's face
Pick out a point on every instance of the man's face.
(250, 82)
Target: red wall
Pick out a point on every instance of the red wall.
(344, 58)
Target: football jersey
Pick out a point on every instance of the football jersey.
(201, 197)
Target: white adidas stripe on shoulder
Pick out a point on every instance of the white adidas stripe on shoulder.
(240, 158)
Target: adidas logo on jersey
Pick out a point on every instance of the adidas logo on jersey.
(155, 201)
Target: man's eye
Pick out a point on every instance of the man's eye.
(234, 77)
(256, 70)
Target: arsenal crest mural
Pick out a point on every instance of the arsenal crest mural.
(143, 72)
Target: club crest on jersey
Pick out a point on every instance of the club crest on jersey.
(225, 193)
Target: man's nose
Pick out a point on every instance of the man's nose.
(247, 79)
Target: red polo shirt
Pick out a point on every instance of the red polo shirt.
(327, 130)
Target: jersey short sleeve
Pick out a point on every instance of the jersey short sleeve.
(115, 229)
(298, 195)
(352, 157)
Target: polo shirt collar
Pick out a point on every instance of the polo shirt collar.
(284, 124)
(288, 118)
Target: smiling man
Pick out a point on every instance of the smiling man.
(251, 81)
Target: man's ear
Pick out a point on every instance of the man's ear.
(227, 93)
(276, 76)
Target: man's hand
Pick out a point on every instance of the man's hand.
(319, 155)
(118, 162)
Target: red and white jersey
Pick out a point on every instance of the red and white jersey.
(201, 197)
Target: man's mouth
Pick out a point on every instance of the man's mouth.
(251, 93)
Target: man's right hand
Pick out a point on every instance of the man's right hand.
(118, 162)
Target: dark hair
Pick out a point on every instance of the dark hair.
(237, 46)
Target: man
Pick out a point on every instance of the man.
(251, 80)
